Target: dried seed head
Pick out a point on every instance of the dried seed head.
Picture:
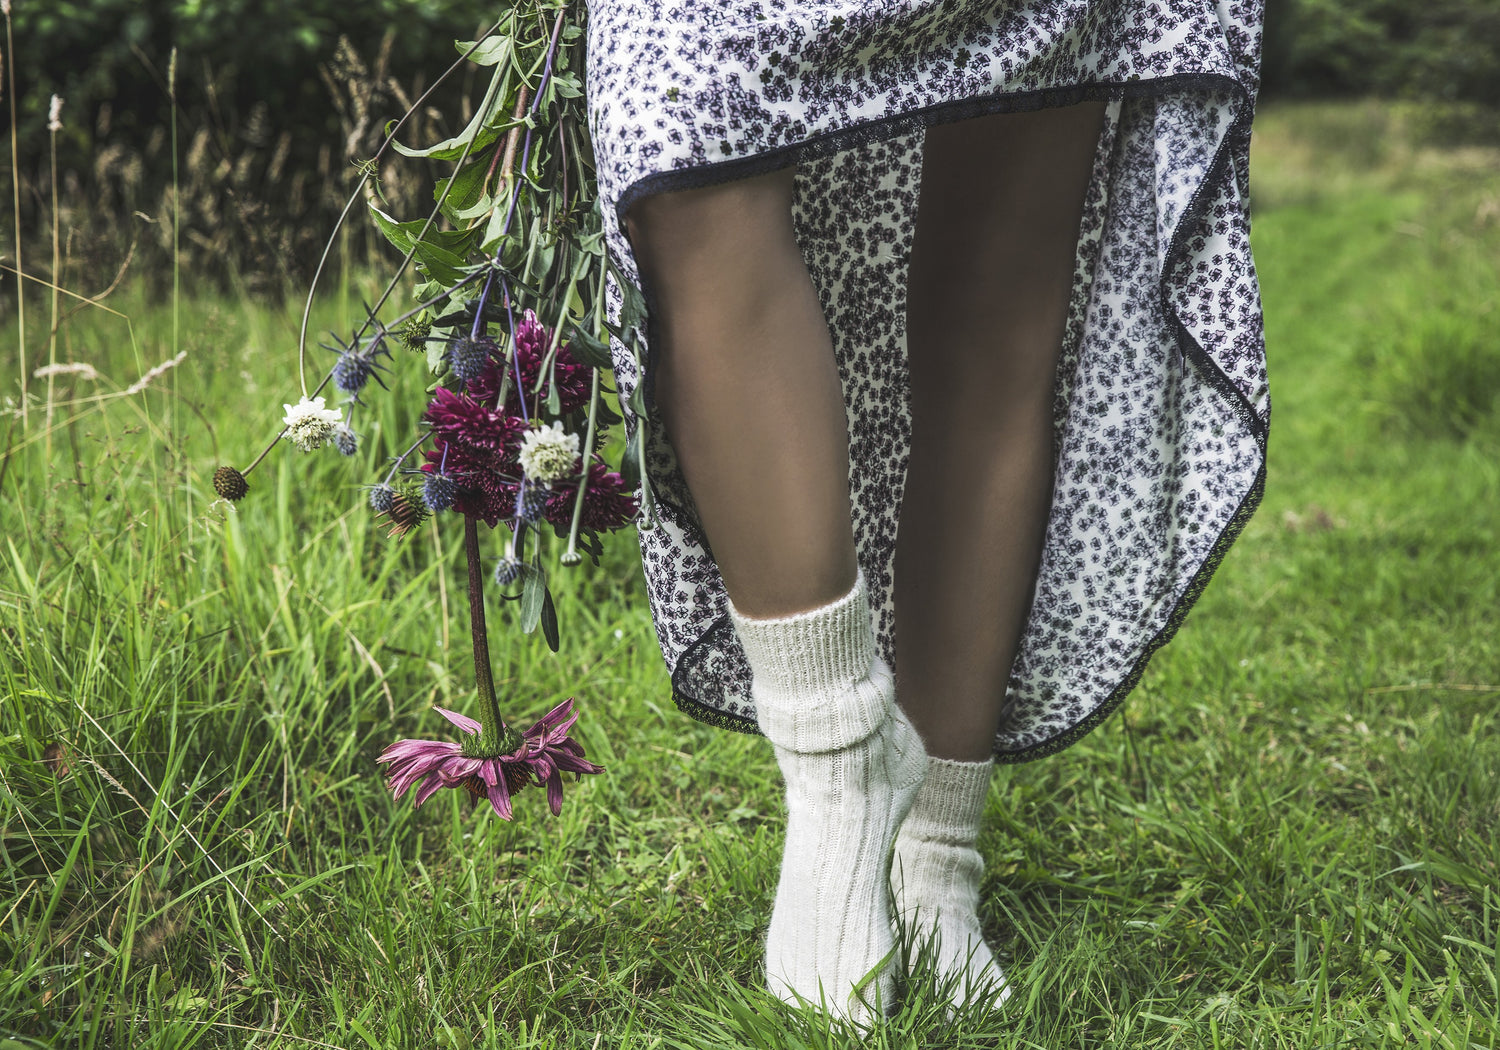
(230, 484)
(407, 510)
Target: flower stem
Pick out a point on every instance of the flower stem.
(496, 734)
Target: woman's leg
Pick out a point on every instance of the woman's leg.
(749, 390)
(991, 274)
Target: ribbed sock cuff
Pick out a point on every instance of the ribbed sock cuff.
(818, 683)
(951, 803)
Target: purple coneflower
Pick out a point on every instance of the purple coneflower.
(539, 756)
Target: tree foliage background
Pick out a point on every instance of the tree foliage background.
(279, 100)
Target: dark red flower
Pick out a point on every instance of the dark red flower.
(532, 342)
(607, 506)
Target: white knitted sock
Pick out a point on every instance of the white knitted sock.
(936, 871)
(852, 764)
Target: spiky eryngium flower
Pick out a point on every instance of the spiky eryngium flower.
(230, 484)
(508, 570)
(548, 453)
(438, 491)
(309, 424)
(531, 500)
(345, 440)
(468, 357)
(545, 753)
(382, 496)
(353, 370)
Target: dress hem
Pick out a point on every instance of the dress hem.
(1187, 346)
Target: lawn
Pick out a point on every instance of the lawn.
(1288, 838)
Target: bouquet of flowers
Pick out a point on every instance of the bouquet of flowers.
(511, 273)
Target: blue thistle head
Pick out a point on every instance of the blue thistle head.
(352, 371)
(467, 357)
(345, 439)
(531, 501)
(439, 491)
(382, 498)
(507, 571)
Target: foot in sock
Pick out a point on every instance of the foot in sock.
(852, 765)
(935, 878)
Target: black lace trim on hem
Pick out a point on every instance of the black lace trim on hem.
(1187, 346)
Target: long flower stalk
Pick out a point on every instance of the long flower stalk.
(496, 738)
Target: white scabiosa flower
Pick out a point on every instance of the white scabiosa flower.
(309, 424)
(548, 453)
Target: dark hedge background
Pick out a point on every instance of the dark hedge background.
(279, 98)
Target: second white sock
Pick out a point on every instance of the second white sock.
(936, 873)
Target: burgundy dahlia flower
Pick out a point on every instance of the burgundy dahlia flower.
(574, 380)
(542, 756)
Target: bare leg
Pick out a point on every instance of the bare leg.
(749, 390)
(991, 272)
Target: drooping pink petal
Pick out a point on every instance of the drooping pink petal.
(555, 792)
(428, 789)
(464, 722)
(499, 796)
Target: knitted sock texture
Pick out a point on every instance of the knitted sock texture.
(935, 876)
(852, 765)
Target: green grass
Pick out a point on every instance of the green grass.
(1287, 839)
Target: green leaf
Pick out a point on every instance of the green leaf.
(489, 120)
(440, 263)
(549, 621)
(567, 87)
(437, 352)
(468, 187)
(401, 234)
(636, 402)
(586, 349)
(533, 593)
(491, 51)
(630, 462)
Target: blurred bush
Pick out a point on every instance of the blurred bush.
(277, 100)
(1439, 49)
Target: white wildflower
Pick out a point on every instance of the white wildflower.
(54, 114)
(548, 453)
(81, 369)
(309, 424)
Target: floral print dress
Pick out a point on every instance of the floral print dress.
(1161, 406)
